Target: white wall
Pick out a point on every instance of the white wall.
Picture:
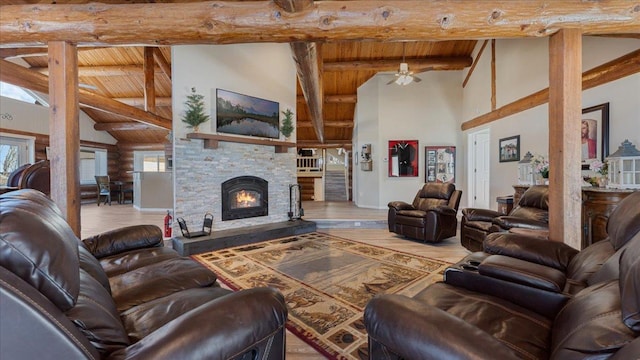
(428, 111)
(522, 68)
(18, 115)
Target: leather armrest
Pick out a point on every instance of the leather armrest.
(523, 272)
(444, 210)
(221, 329)
(544, 252)
(480, 214)
(508, 222)
(124, 239)
(400, 205)
(415, 330)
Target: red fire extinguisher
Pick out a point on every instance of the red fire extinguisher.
(167, 224)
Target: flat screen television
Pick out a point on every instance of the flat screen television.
(246, 115)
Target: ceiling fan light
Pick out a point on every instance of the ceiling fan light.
(404, 80)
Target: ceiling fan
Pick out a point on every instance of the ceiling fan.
(404, 76)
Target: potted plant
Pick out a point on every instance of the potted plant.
(287, 123)
(194, 114)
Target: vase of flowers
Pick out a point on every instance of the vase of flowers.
(601, 168)
(541, 167)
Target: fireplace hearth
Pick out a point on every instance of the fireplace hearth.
(245, 197)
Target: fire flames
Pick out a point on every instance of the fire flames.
(245, 199)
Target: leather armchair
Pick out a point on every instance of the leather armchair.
(119, 295)
(600, 320)
(432, 215)
(531, 212)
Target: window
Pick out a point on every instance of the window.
(15, 150)
(149, 161)
(17, 93)
(92, 162)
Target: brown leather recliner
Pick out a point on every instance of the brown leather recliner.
(531, 212)
(601, 320)
(432, 215)
(37, 176)
(119, 295)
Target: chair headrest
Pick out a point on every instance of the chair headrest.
(38, 246)
(630, 283)
(624, 221)
(537, 196)
(437, 191)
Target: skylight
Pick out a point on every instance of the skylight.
(16, 92)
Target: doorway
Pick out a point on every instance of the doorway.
(479, 168)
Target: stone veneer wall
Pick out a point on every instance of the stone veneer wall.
(199, 173)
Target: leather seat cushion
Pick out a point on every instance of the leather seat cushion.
(416, 221)
(520, 329)
(480, 225)
(158, 280)
(122, 263)
(145, 318)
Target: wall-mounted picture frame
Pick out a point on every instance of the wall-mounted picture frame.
(594, 134)
(246, 115)
(440, 164)
(509, 148)
(403, 158)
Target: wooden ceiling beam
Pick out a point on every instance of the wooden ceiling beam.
(7, 53)
(97, 71)
(623, 66)
(139, 101)
(21, 76)
(122, 126)
(226, 22)
(347, 98)
(336, 124)
(328, 144)
(415, 64)
(162, 62)
(149, 80)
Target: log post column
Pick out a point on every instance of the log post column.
(64, 130)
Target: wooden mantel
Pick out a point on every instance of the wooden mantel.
(211, 141)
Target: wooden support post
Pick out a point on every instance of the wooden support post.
(64, 130)
(565, 95)
(149, 80)
(493, 74)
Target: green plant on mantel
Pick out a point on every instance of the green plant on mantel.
(287, 123)
(194, 114)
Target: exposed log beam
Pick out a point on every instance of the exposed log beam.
(20, 76)
(115, 70)
(224, 22)
(351, 98)
(415, 64)
(475, 62)
(122, 126)
(139, 101)
(7, 53)
(149, 80)
(613, 70)
(328, 144)
(337, 124)
(308, 64)
(163, 63)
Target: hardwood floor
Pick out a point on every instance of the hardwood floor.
(96, 219)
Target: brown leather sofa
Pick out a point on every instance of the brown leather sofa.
(119, 295)
(432, 215)
(600, 320)
(531, 212)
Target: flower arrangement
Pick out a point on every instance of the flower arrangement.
(540, 165)
(600, 167)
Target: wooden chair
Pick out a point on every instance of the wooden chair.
(104, 189)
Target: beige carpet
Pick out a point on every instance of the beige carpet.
(327, 281)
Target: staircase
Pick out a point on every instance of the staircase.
(335, 188)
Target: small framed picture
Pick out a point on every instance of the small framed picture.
(510, 149)
(594, 134)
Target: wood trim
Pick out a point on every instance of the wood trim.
(211, 141)
(415, 64)
(64, 131)
(493, 74)
(105, 70)
(336, 124)
(139, 101)
(162, 62)
(565, 109)
(226, 22)
(475, 62)
(623, 66)
(344, 99)
(121, 126)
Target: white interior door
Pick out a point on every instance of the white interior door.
(479, 168)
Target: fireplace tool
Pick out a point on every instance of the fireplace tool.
(295, 202)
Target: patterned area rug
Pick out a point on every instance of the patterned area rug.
(327, 281)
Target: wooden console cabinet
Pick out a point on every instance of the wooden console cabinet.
(597, 205)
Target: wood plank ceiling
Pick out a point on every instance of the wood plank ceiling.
(117, 73)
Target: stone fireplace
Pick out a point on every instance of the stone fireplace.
(245, 197)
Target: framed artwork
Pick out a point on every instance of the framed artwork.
(246, 115)
(403, 158)
(594, 134)
(510, 149)
(440, 164)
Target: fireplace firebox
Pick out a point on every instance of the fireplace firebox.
(245, 197)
